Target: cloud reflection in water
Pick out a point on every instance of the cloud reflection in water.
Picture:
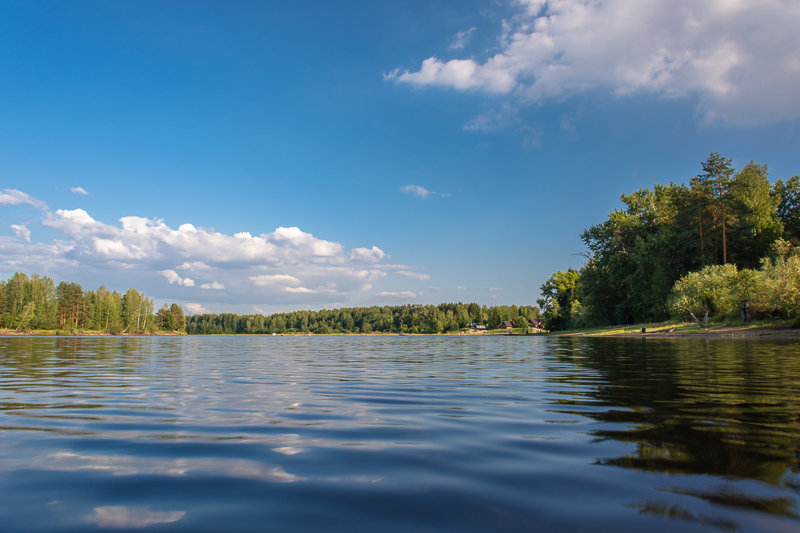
(120, 516)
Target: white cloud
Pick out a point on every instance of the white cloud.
(495, 289)
(416, 190)
(286, 267)
(412, 275)
(22, 232)
(196, 308)
(299, 290)
(78, 190)
(421, 192)
(461, 39)
(367, 255)
(16, 197)
(193, 265)
(738, 59)
(401, 295)
(274, 279)
(173, 277)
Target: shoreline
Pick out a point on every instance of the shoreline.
(779, 331)
(668, 331)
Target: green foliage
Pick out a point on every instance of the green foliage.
(641, 250)
(35, 302)
(559, 301)
(788, 210)
(444, 318)
(708, 291)
(771, 291)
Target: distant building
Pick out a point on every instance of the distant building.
(507, 324)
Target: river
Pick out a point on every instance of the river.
(414, 433)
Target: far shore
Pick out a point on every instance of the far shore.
(58, 333)
(763, 330)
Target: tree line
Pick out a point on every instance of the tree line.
(37, 303)
(444, 318)
(734, 220)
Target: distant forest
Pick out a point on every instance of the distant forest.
(676, 251)
(37, 303)
(444, 318)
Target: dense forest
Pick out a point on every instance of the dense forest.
(37, 303)
(444, 318)
(674, 251)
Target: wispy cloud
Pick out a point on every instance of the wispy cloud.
(214, 285)
(401, 295)
(421, 192)
(17, 197)
(413, 275)
(415, 190)
(118, 517)
(22, 232)
(78, 190)
(461, 39)
(714, 52)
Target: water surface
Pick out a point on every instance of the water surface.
(398, 434)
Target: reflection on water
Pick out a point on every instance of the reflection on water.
(398, 434)
(120, 517)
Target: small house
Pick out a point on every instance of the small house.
(537, 323)
(507, 324)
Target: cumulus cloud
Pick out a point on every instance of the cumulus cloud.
(16, 197)
(367, 255)
(78, 190)
(173, 277)
(286, 267)
(22, 232)
(737, 59)
(196, 308)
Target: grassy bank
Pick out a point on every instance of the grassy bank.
(760, 328)
(80, 333)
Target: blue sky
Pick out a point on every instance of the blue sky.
(266, 156)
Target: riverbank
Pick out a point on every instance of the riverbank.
(766, 329)
(63, 333)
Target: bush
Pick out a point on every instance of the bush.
(773, 290)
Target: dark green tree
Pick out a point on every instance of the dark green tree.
(559, 299)
(788, 209)
(716, 177)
